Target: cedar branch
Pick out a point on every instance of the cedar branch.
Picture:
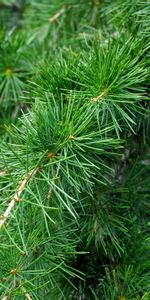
(17, 195)
(56, 16)
(96, 99)
(2, 173)
(28, 297)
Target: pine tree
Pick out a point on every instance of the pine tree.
(74, 149)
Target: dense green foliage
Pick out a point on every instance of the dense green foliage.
(74, 149)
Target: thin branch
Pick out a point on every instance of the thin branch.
(96, 99)
(49, 194)
(97, 2)
(17, 195)
(2, 173)
(56, 16)
(27, 295)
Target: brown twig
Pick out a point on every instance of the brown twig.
(17, 195)
(56, 16)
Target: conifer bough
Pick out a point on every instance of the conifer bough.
(74, 149)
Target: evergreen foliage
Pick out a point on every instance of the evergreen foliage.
(74, 149)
